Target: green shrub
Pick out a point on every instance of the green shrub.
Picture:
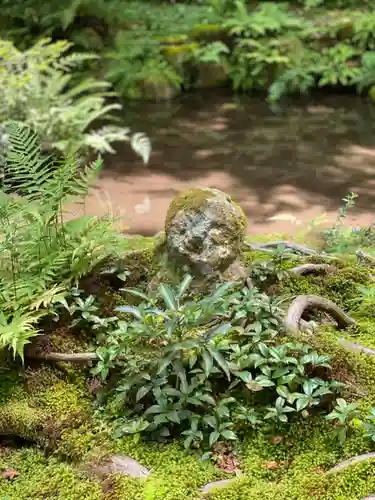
(38, 91)
(40, 255)
(204, 366)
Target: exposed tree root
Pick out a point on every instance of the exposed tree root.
(312, 269)
(365, 257)
(305, 303)
(293, 322)
(273, 245)
(79, 357)
(350, 461)
(357, 347)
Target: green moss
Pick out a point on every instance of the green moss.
(340, 287)
(159, 87)
(85, 442)
(176, 473)
(208, 32)
(19, 418)
(172, 39)
(305, 452)
(195, 200)
(41, 405)
(176, 50)
(39, 477)
(140, 265)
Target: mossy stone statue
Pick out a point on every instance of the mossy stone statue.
(205, 229)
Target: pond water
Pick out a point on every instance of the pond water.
(298, 160)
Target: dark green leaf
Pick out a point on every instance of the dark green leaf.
(168, 297)
(214, 436)
(220, 361)
(207, 362)
(228, 434)
(185, 284)
(142, 391)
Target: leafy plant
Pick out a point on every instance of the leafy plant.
(342, 415)
(38, 91)
(272, 269)
(136, 60)
(267, 19)
(41, 256)
(211, 53)
(369, 425)
(338, 237)
(198, 367)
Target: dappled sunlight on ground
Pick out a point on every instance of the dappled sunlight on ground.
(300, 160)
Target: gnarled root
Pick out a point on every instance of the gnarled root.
(312, 269)
(357, 347)
(305, 303)
(365, 258)
(350, 461)
(79, 357)
(273, 245)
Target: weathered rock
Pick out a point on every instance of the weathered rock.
(158, 89)
(211, 75)
(205, 229)
(120, 464)
(209, 488)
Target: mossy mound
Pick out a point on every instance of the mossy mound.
(53, 408)
(41, 403)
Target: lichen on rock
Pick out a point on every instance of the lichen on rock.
(205, 229)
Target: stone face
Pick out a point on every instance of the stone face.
(205, 229)
(121, 464)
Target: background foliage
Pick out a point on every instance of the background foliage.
(280, 46)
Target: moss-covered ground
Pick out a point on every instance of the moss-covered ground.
(49, 434)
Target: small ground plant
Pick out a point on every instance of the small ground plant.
(200, 366)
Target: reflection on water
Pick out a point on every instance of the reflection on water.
(302, 158)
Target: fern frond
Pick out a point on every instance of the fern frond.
(17, 332)
(26, 168)
(100, 140)
(142, 146)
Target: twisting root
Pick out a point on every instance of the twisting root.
(273, 245)
(357, 347)
(305, 303)
(79, 357)
(350, 461)
(365, 258)
(312, 269)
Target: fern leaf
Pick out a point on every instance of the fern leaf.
(142, 146)
(26, 168)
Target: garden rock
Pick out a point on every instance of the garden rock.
(121, 464)
(211, 75)
(209, 488)
(158, 89)
(205, 229)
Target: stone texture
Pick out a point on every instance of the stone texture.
(158, 89)
(121, 464)
(211, 75)
(209, 488)
(205, 229)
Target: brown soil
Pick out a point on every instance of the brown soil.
(300, 161)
